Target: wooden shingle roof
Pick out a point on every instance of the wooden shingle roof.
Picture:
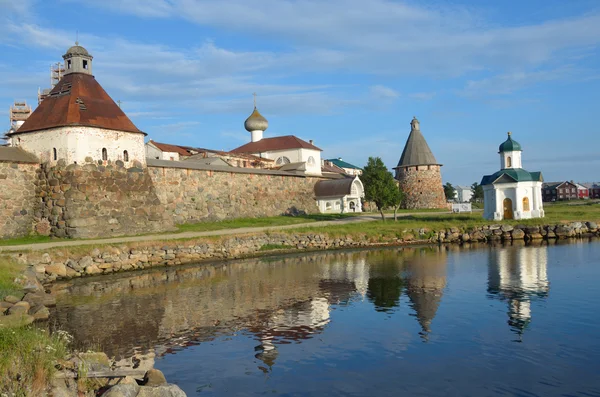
(78, 100)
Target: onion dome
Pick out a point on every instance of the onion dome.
(256, 122)
(509, 145)
(77, 50)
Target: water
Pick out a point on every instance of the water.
(451, 321)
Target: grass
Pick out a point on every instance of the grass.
(258, 222)
(9, 270)
(25, 240)
(27, 359)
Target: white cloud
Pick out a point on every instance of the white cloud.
(382, 92)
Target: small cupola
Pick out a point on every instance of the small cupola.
(78, 60)
(510, 153)
(414, 124)
(256, 124)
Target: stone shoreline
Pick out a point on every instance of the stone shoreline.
(57, 264)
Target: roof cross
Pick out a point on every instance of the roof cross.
(254, 95)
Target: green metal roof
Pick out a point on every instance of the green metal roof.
(342, 164)
(511, 175)
(509, 145)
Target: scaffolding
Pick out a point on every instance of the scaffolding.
(57, 72)
(18, 113)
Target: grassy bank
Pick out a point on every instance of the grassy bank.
(9, 270)
(28, 356)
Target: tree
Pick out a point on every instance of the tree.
(449, 191)
(477, 193)
(380, 186)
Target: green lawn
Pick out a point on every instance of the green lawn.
(25, 240)
(9, 270)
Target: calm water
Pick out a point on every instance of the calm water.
(485, 321)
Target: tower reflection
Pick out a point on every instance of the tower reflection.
(518, 275)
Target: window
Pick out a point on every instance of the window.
(69, 64)
(85, 64)
(54, 154)
(311, 160)
(328, 205)
(282, 160)
(125, 155)
(508, 162)
(526, 204)
(104, 154)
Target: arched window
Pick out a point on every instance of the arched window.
(526, 204)
(311, 160)
(104, 154)
(508, 162)
(282, 160)
(54, 154)
(125, 155)
(328, 205)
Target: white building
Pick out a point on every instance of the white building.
(512, 192)
(289, 152)
(463, 194)
(349, 169)
(78, 121)
(339, 195)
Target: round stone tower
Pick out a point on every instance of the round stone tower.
(419, 174)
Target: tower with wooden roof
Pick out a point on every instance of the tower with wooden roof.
(79, 122)
(419, 174)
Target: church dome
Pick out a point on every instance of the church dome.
(77, 50)
(256, 122)
(509, 145)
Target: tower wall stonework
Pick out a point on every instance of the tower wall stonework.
(422, 186)
(18, 201)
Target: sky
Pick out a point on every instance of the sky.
(348, 74)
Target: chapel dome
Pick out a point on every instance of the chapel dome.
(256, 122)
(77, 50)
(509, 145)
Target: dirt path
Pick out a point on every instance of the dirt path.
(186, 235)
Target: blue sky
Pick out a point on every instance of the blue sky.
(349, 74)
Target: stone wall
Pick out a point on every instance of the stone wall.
(94, 200)
(124, 257)
(17, 198)
(190, 195)
(422, 187)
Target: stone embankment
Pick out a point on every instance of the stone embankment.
(110, 259)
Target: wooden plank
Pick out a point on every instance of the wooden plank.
(120, 373)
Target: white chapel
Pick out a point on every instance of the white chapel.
(512, 192)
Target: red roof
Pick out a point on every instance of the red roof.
(277, 143)
(78, 100)
(165, 147)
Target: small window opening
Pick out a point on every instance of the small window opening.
(69, 64)
(104, 154)
(125, 155)
(508, 162)
(85, 64)
(54, 154)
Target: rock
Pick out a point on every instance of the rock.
(15, 320)
(19, 308)
(34, 298)
(4, 306)
(123, 390)
(85, 262)
(58, 269)
(154, 377)
(74, 265)
(43, 227)
(592, 225)
(49, 300)
(518, 234)
(92, 269)
(11, 299)
(466, 237)
(161, 391)
(94, 361)
(46, 259)
(40, 312)
(507, 228)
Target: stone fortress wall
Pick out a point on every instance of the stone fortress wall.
(18, 202)
(92, 200)
(422, 187)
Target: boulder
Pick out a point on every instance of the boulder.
(85, 262)
(57, 269)
(592, 225)
(161, 391)
(11, 299)
(92, 269)
(46, 259)
(40, 312)
(154, 377)
(15, 320)
(518, 234)
(19, 308)
(123, 390)
(5, 306)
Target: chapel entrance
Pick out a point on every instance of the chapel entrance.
(508, 209)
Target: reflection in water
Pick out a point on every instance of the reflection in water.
(518, 275)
